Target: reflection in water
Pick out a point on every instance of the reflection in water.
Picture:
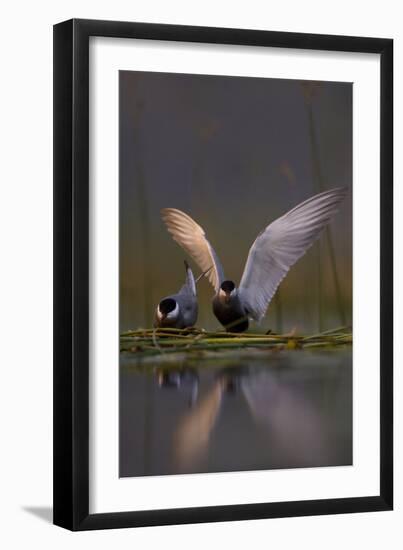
(192, 435)
(180, 379)
(288, 411)
(284, 410)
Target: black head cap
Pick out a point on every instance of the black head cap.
(227, 286)
(167, 305)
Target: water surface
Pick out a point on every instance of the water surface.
(289, 409)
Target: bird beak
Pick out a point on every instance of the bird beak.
(203, 274)
(161, 316)
(224, 296)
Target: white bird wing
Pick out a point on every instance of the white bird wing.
(192, 238)
(280, 245)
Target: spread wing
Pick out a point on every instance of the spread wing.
(280, 245)
(191, 237)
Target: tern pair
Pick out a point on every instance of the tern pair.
(274, 251)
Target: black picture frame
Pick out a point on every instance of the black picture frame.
(71, 274)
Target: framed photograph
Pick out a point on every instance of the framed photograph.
(223, 320)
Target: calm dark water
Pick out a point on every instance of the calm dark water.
(288, 410)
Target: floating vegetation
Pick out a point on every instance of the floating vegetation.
(151, 342)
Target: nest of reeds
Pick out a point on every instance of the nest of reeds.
(148, 342)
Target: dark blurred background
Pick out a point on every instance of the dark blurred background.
(234, 153)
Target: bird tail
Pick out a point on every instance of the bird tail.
(190, 280)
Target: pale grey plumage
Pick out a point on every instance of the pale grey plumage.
(274, 252)
(179, 310)
(280, 245)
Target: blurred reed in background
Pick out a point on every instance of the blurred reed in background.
(234, 153)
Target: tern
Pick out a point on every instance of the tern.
(274, 251)
(180, 310)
